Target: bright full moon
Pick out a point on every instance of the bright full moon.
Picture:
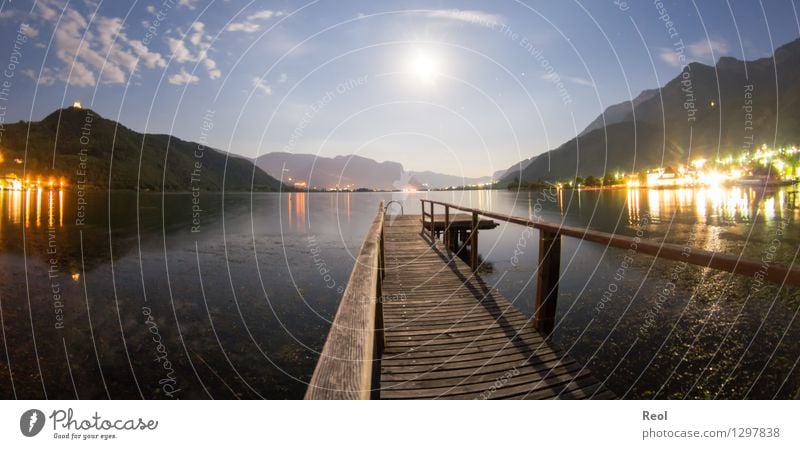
(424, 67)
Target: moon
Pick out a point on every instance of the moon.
(424, 67)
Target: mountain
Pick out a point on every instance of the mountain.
(353, 172)
(341, 171)
(438, 180)
(619, 113)
(705, 111)
(82, 146)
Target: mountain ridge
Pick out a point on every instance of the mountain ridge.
(733, 105)
(83, 147)
(353, 172)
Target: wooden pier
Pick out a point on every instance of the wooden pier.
(449, 335)
(417, 322)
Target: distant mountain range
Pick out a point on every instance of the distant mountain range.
(705, 111)
(81, 146)
(353, 172)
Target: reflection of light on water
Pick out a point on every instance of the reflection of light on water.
(654, 201)
(730, 204)
(296, 209)
(633, 206)
(769, 209)
(50, 209)
(15, 206)
(300, 210)
(741, 205)
(38, 207)
(26, 207)
(289, 212)
(683, 197)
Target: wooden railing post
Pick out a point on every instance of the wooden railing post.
(422, 208)
(473, 243)
(433, 225)
(446, 232)
(547, 281)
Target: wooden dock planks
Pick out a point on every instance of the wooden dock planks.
(449, 335)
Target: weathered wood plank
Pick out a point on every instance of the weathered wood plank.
(451, 335)
(344, 369)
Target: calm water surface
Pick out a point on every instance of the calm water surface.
(147, 296)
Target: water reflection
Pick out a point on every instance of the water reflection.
(27, 205)
(712, 332)
(266, 280)
(709, 205)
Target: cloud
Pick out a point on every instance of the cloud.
(179, 51)
(193, 48)
(707, 49)
(703, 50)
(245, 27)
(671, 57)
(187, 3)
(250, 24)
(91, 53)
(260, 85)
(29, 31)
(554, 77)
(46, 78)
(471, 16)
(264, 15)
(579, 81)
(183, 78)
(211, 66)
(283, 78)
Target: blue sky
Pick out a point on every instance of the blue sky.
(466, 88)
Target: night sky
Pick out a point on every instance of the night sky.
(464, 87)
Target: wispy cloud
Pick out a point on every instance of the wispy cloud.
(703, 50)
(554, 77)
(579, 81)
(245, 27)
(183, 78)
(191, 4)
(97, 52)
(47, 78)
(260, 85)
(707, 49)
(251, 24)
(669, 56)
(471, 16)
(193, 48)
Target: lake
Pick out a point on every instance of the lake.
(127, 295)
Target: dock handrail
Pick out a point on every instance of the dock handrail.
(346, 365)
(550, 248)
(386, 208)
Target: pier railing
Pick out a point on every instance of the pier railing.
(347, 364)
(549, 262)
